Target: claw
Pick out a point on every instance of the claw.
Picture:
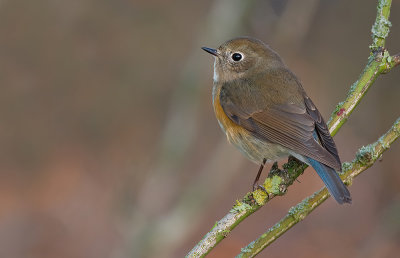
(260, 187)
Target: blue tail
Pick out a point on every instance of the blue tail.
(332, 181)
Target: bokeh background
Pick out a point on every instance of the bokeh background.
(109, 146)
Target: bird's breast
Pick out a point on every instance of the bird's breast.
(253, 148)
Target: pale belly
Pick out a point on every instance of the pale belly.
(255, 149)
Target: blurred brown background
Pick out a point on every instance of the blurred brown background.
(109, 146)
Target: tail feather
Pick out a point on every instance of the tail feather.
(332, 181)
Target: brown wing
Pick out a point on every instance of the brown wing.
(289, 125)
(322, 130)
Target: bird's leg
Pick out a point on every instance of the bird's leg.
(291, 158)
(255, 184)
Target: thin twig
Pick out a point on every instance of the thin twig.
(379, 62)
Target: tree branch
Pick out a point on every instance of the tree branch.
(381, 27)
(379, 62)
(365, 158)
(277, 182)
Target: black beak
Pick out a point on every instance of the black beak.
(211, 51)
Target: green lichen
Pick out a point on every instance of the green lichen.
(396, 127)
(300, 210)
(239, 207)
(272, 184)
(248, 248)
(346, 166)
(386, 62)
(271, 229)
(354, 86)
(365, 155)
(381, 141)
(380, 29)
(260, 197)
(387, 57)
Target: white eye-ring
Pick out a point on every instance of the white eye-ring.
(237, 57)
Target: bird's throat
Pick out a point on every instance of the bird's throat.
(216, 75)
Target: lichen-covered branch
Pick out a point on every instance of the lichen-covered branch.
(393, 62)
(277, 182)
(365, 158)
(381, 27)
(379, 62)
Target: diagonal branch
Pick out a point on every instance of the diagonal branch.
(365, 158)
(379, 62)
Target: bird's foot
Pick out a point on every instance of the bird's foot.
(259, 187)
(257, 195)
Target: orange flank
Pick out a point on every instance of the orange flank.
(231, 129)
(236, 134)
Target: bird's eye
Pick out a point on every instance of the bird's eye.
(236, 57)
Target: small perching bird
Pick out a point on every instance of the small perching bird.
(266, 114)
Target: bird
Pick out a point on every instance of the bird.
(265, 112)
